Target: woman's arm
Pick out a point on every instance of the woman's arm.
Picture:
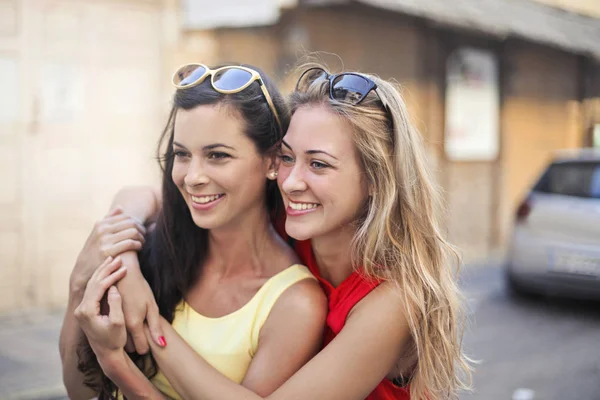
(114, 234)
(349, 368)
(70, 337)
(143, 204)
(117, 233)
(127, 376)
(289, 338)
(106, 334)
(281, 350)
(132, 208)
(140, 202)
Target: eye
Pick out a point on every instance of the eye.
(217, 155)
(318, 165)
(286, 159)
(179, 154)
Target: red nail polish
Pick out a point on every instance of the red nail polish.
(162, 341)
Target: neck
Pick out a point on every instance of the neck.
(333, 255)
(242, 245)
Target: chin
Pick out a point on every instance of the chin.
(205, 223)
(299, 232)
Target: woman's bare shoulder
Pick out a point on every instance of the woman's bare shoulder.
(386, 300)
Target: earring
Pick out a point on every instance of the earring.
(273, 174)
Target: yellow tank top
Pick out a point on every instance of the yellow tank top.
(230, 342)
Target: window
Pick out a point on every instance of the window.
(579, 179)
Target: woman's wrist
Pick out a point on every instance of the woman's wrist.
(76, 290)
(119, 368)
(112, 362)
(131, 260)
(79, 278)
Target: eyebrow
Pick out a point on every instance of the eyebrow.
(208, 147)
(286, 144)
(310, 151)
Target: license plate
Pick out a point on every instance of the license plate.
(576, 264)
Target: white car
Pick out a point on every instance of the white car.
(555, 247)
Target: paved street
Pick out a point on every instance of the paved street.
(29, 359)
(528, 349)
(536, 349)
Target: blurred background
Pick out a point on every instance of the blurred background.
(495, 86)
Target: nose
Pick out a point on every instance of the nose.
(294, 181)
(196, 175)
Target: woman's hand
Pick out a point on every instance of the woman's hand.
(113, 235)
(106, 333)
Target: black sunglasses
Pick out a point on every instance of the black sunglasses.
(347, 87)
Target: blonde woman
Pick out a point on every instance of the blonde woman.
(362, 203)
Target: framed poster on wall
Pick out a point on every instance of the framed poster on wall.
(472, 106)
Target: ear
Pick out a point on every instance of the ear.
(370, 185)
(272, 166)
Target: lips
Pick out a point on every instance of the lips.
(206, 199)
(302, 206)
(297, 208)
(206, 202)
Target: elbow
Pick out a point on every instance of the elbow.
(74, 392)
(75, 387)
(73, 379)
(70, 386)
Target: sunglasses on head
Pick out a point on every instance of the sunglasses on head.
(226, 80)
(347, 87)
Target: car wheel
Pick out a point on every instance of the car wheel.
(517, 289)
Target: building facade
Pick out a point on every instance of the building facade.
(85, 91)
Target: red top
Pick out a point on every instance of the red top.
(341, 300)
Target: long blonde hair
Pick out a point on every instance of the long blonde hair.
(399, 238)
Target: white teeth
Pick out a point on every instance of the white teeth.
(303, 206)
(205, 199)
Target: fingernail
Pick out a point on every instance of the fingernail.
(162, 341)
